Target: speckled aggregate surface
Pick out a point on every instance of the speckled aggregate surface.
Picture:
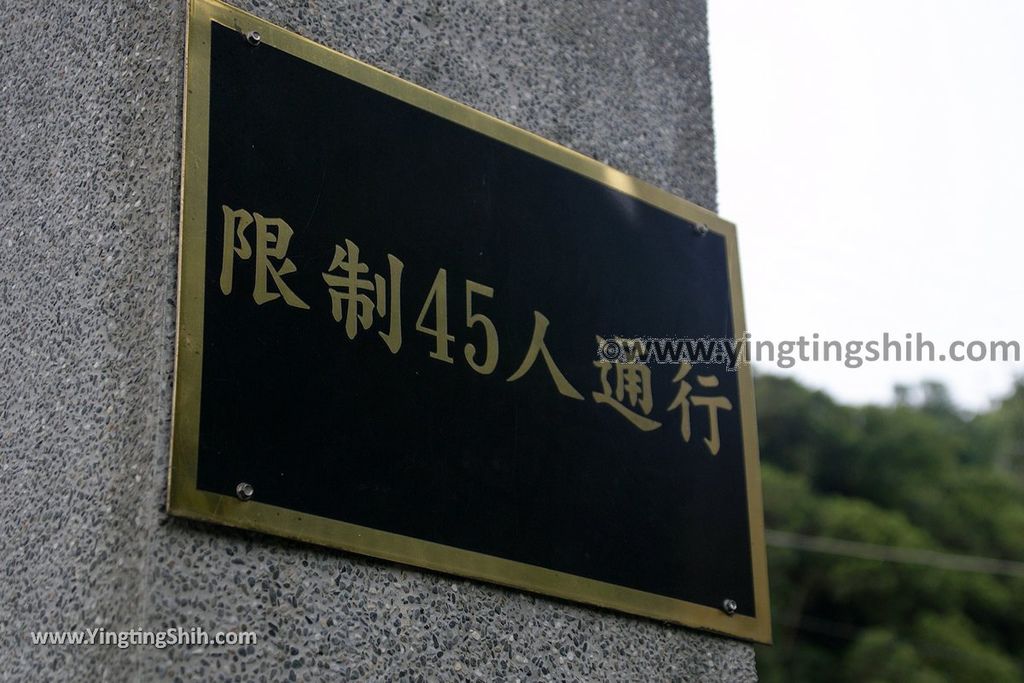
(90, 99)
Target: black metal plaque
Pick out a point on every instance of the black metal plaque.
(390, 320)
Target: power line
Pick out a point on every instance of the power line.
(891, 553)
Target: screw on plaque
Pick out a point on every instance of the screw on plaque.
(700, 229)
(729, 606)
(244, 491)
(254, 38)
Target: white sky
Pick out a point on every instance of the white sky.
(871, 153)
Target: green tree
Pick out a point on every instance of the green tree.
(916, 474)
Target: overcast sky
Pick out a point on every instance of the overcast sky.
(871, 153)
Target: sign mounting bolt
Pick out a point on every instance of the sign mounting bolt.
(253, 37)
(729, 605)
(700, 229)
(244, 491)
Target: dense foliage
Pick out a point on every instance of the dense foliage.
(916, 474)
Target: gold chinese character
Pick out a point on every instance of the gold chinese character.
(538, 347)
(684, 399)
(350, 294)
(633, 383)
(272, 238)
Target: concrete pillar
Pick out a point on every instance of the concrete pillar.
(89, 179)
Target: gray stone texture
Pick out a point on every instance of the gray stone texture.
(89, 171)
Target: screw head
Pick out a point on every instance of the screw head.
(729, 606)
(700, 229)
(244, 491)
(253, 37)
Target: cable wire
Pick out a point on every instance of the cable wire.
(890, 553)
